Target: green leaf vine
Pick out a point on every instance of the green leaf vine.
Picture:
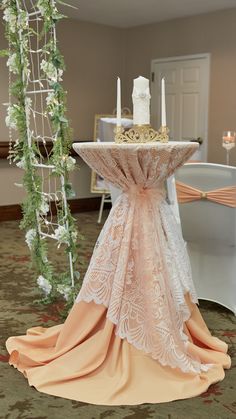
(27, 152)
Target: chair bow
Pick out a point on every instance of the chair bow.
(224, 196)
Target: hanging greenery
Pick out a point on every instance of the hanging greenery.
(26, 152)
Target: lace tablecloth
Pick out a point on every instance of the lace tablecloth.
(134, 334)
(140, 270)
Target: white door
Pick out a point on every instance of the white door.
(187, 80)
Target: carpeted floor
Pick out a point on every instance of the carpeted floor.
(18, 313)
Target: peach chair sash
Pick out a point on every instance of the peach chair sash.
(224, 196)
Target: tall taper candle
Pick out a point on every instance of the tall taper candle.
(118, 103)
(163, 103)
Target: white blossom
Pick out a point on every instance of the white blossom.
(26, 69)
(51, 99)
(21, 163)
(10, 17)
(62, 235)
(52, 102)
(13, 64)
(51, 72)
(20, 19)
(70, 163)
(28, 104)
(44, 207)
(25, 60)
(23, 20)
(74, 235)
(25, 45)
(64, 290)
(30, 236)
(13, 112)
(44, 284)
(11, 117)
(45, 259)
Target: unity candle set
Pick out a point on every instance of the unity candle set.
(141, 132)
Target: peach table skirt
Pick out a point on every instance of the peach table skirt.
(84, 360)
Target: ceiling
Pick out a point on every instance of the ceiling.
(128, 13)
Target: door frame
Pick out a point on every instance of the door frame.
(207, 57)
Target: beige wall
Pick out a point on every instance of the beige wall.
(210, 33)
(94, 56)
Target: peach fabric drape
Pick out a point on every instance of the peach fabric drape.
(85, 360)
(224, 196)
(135, 320)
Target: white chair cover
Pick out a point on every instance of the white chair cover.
(210, 231)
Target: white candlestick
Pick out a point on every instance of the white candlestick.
(141, 101)
(163, 103)
(118, 103)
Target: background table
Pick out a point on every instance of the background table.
(134, 334)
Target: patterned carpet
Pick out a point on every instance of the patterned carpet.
(17, 293)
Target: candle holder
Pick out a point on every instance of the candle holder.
(141, 134)
(228, 142)
(163, 134)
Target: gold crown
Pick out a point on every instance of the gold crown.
(141, 134)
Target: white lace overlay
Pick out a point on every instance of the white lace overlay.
(140, 269)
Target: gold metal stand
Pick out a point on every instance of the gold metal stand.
(141, 134)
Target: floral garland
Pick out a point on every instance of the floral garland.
(26, 151)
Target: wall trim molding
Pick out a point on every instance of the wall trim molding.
(13, 212)
(4, 149)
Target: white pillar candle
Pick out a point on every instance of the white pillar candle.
(141, 101)
(163, 103)
(118, 103)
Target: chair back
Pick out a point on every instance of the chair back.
(203, 220)
(107, 126)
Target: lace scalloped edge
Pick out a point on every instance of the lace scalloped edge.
(197, 367)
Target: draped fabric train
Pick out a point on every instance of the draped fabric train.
(84, 360)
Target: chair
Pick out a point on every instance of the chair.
(172, 198)
(209, 229)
